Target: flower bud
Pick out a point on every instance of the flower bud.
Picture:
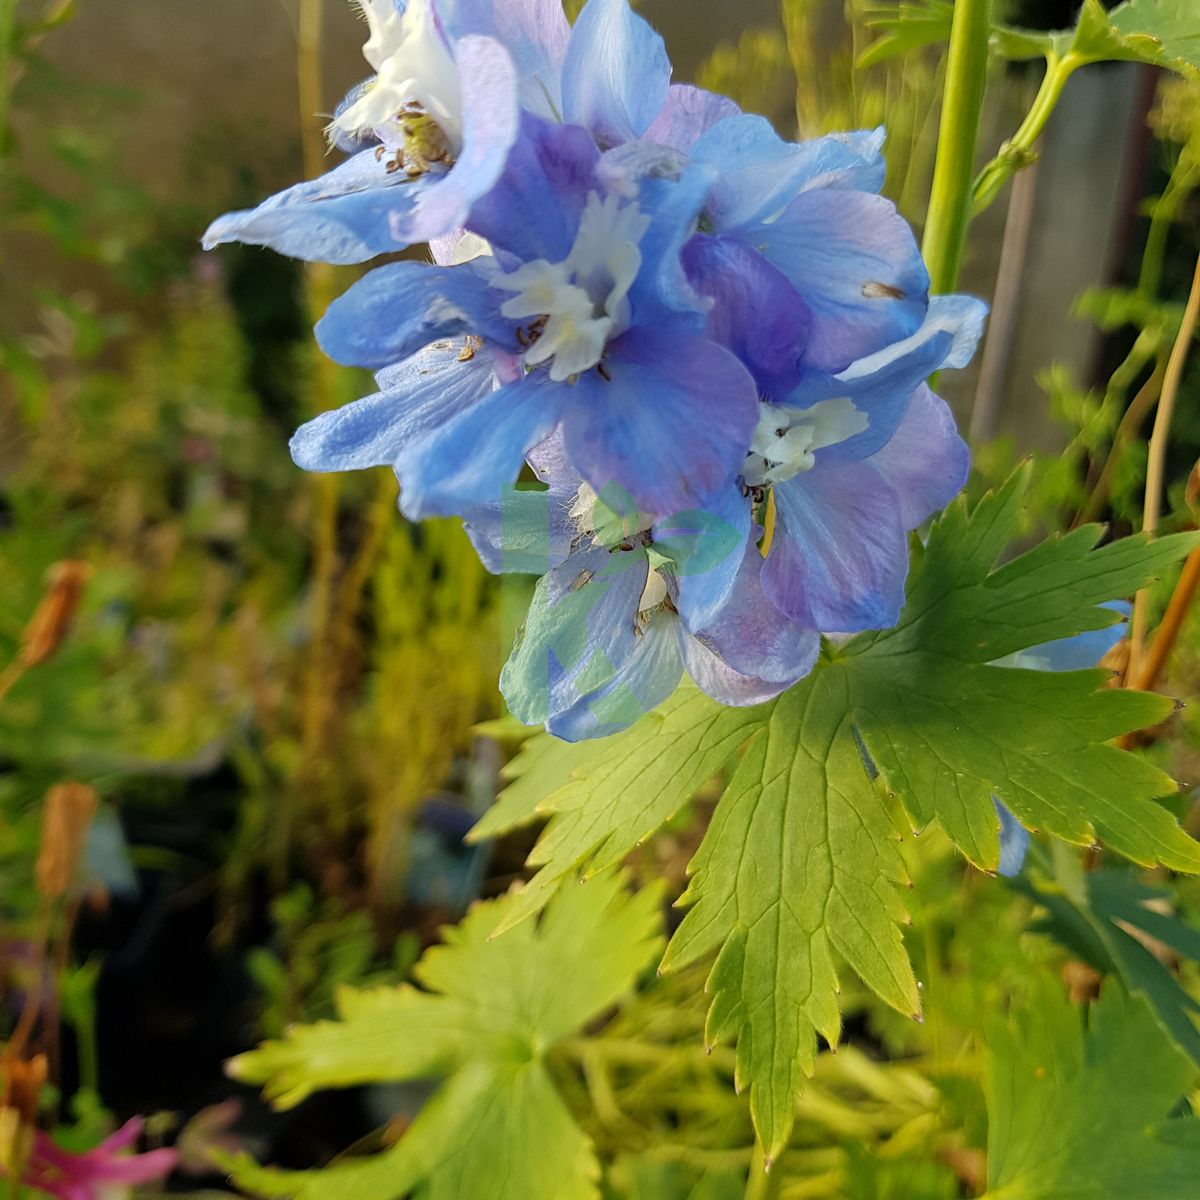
(49, 624)
(66, 819)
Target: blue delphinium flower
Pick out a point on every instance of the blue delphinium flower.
(604, 640)
(1078, 653)
(429, 132)
(577, 308)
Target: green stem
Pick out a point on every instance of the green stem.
(1017, 153)
(762, 1183)
(962, 104)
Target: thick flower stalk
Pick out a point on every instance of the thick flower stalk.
(710, 346)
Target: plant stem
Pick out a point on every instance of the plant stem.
(950, 201)
(1018, 151)
(762, 1183)
(1135, 414)
(1172, 622)
(1156, 467)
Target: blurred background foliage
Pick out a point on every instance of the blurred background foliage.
(284, 697)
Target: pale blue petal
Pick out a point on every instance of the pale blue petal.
(640, 683)
(421, 395)
(761, 173)
(1014, 842)
(535, 33)
(580, 630)
(925, 461)
(854, 260)
(688, 112)
(839, 557)
(491, 118)
(671, 424)
(395, 310)
(616, 74)
(474, 457)
(751, 636)
(706, 547)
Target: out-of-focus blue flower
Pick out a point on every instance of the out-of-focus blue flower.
(1078, 653)
(604, 640)
(578, 311)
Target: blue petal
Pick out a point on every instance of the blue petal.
(342, 217)
(523, 532)
(580, 629)
(420, 395)
(662, 292)
(358, 210)
(1080, 652)
(476, 455)
(761, 173)
(755, 311)
(688, 112)
(854, 260)
(490, 120)
(1014, 842)
(616, 74)
(882, 384)
(640, 684)
(535, 33)
(925, 461)
(839, 556)
(751, 637)
(671, 424)
(534, 209)
(706, 548)
(395, 310)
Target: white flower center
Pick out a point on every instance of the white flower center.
(583, 301)
(415, 75)
(786, 439)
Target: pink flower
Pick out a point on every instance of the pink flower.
(103, 1173)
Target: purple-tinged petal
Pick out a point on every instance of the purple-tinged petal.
(688, 112)
(471, 459)
(706, 548)
(395, 310)
(623, 168)
(640, 684)
(491, 118)
(662, 292)
(534, 209)
(925, 461)
(761, 173)
(535, 33)
(524, 531)
(854, 260)
(671, 424)
(580, 630)
(1014, 842)
(421, 395)
(839, 556)
(755, 311)
(719, 680)
(616, 74)
(342, 217)
(751, 635)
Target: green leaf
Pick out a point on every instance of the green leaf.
(1163, 33)
(1084, 1114)
(799, 862)
(491, 1011)
(1098, 915)
(797, 869)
